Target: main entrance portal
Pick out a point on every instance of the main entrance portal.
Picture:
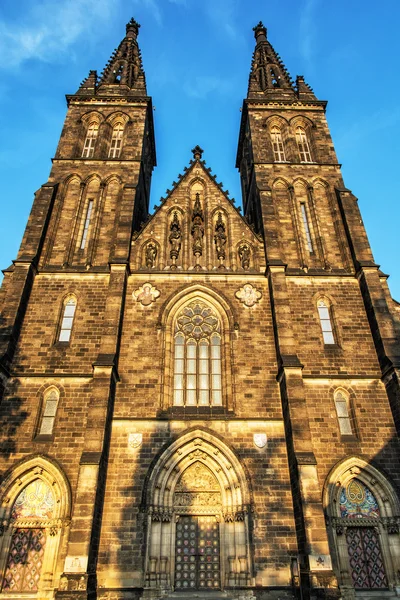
(197, 557)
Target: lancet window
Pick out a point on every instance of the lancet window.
(49, 412)
(303, 145)
(325, 322)
(197, 356)
(86, 224)
(343, 413)
(277, 144)
(67, 319)
(90, 141)
(116, 140)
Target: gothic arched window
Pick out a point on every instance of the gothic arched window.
(67, 319)
(324, 314)
(197, 356)
(342, 406)
(116, 140)
(90, 141)
(277, 144)
(303, 145)
(50, 404)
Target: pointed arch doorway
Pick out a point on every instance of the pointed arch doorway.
(198, 517)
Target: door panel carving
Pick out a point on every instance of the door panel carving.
(197, 559)
(366, 562)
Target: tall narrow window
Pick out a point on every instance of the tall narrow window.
(306, 226)
(90, 141)
(50, 404)
(343, 415)
(67, 320)
(197, 357)
(325, 321)
(116, 141)
(86, 224)
(303, 145)
(277, 145)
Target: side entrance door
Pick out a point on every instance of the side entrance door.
(366, 561)
(197, 560)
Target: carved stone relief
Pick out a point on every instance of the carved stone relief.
(244, 253)
(146, 294)
(151, 255)
(248, 294)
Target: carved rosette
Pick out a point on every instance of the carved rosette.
(248, 294)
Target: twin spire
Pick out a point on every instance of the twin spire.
(124, 74)
(269, 76)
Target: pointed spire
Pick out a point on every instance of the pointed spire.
(124, 74)
(88, 85)
(304, 91)
(268, 75)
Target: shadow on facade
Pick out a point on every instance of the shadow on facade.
(142, 528)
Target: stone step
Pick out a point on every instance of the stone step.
(198, 595)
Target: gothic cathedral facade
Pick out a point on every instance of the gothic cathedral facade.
(194, 400)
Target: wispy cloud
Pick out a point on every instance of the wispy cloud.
(308, 30)
(367, 127)
(49, 29)
(153, 6)
(180, 2)
(223, 13)
(202, 85)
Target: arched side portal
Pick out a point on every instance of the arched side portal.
(198, 502)
(363, 516)
(35, 504)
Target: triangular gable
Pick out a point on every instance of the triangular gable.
(197, 227)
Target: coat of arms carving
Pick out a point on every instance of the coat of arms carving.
(260, 440)
(135, 440)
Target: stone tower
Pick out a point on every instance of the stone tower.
(194, 400)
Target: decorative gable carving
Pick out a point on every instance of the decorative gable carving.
(197, 228)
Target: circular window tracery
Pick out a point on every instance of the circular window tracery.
(197, 320)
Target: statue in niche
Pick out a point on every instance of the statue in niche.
(197, 228)
(220, 238)
(244, 255)
(151, 255)
(175, 239)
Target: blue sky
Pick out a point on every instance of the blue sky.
(197, 59)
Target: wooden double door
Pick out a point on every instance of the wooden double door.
(366, 560)
(197, 555)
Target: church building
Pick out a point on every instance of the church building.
(196, 403)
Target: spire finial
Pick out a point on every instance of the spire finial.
(260, 32)
(132, 28)
(197, 152)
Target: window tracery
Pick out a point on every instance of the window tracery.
(90, 141)
(197, 357)
(277, 144)
(116, 140)
(303, 145)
